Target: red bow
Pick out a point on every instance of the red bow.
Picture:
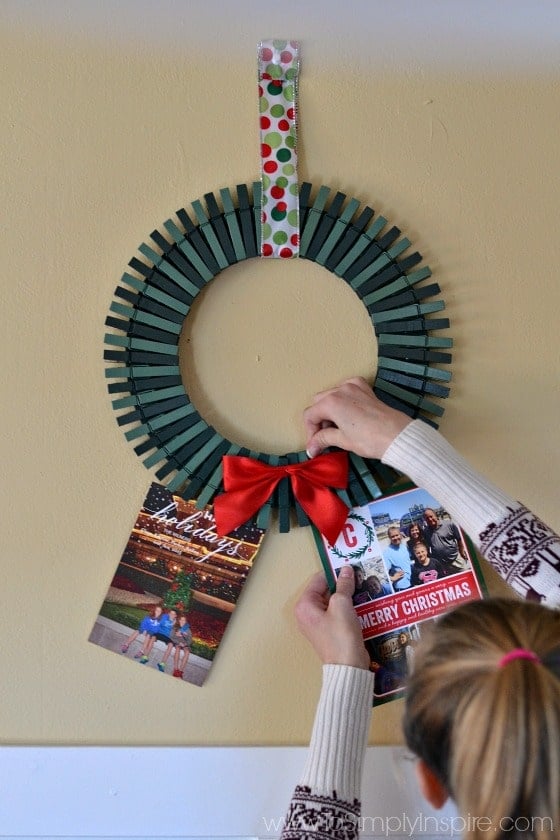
(249, 484)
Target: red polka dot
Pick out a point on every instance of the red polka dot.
(270, 166)
(286, 56)
(265, 122)
(277, 192)
(263, 216)
(284, 125)
(286, 253)
(265, 150)
(276, 83)
(266, 250)
(294, 238)
(266, 76)
(266, 54)
(260, 90)
(291, 113)
(282, 206)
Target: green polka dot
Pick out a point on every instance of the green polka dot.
(265, 181)
(289, 93)
(277, 111)
(293, 218)
(266, 231)
(273, 139)
(263, 104)
(290, 141)
(274, 71)
(279, 44)
(293, 189)
(273, 89)
(282, 182)
(283, 155)
(288, 169)
(280, 237)
(291, 73)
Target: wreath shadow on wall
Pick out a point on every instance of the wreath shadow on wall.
(151, 305)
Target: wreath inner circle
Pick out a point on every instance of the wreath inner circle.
(260, 342)
(155, 297)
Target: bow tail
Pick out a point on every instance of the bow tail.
(234, 507)
(325, 509)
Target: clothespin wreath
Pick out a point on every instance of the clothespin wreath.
(274, 217)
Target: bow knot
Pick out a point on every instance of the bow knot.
(249, 484)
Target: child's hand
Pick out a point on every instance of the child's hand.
(329, 622)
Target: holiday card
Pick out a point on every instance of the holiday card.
(175, 587)
(411, 563)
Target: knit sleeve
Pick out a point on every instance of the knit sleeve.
(326, 803)
(522, 548)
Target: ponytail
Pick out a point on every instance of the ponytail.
(491, 732)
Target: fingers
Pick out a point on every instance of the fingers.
(313, 601)
(313, 418)
(330, 624)
(321, 426)
(321, 408)
(346, 582)
(316, 586)
(323, 439)
(351, 417)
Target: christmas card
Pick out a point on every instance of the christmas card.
(411, 563)
(175, 587)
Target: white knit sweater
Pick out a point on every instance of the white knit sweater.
(522, 549)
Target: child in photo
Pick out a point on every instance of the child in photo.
(149, 626)
(425, 569)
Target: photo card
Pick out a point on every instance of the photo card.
(175, 587)
(411, 563)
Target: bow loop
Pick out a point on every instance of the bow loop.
(249, 484)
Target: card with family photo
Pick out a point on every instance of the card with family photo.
(411, 563)
(175, 587)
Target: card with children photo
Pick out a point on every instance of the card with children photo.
(175, 587)
(411, 563)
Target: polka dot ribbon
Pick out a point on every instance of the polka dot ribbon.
(278, 84)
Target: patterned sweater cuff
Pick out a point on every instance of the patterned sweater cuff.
(339, 737)
(524, 551)
(422, 454)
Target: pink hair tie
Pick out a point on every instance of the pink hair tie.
(518, 653)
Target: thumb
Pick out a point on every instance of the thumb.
(345, 582)
(323, 439)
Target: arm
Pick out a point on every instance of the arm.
(326, 802)
(460, 544)
(396, 575)
(522, 549)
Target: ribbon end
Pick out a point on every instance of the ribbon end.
(332, 533)
(225, 521)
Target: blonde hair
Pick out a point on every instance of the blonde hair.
(491, 733)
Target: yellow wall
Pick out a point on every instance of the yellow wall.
(102, 140)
